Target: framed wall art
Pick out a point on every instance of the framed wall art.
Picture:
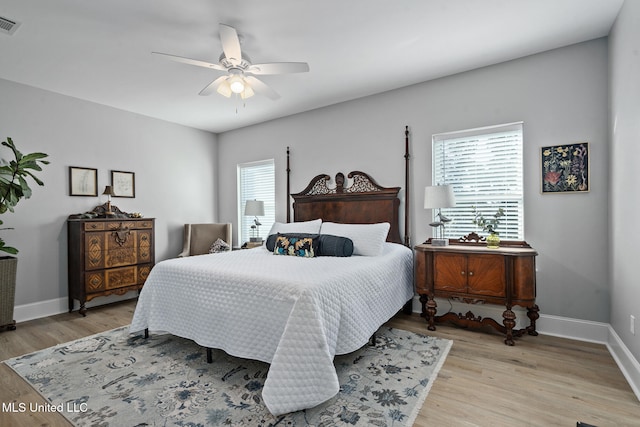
(565, 168)
(83, 181)
(123, 184)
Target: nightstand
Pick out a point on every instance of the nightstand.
(250, 245)
(473, 274)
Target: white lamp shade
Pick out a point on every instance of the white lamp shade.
(254, 208)
(439, 196)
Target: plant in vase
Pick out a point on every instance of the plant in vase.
(13, 188)
(490, 225)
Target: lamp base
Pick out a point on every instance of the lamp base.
(440, 242)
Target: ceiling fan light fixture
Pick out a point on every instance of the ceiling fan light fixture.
(236, 84)
(247, 92)
(224, 89)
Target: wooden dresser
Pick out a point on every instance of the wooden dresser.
(473, 274)
(108, 256)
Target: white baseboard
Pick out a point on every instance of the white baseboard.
(575, 329)
(626, 362)
(36, 310)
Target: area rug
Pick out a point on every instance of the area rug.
(117, 379)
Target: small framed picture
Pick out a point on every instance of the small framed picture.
(565, 168)
(123, 184)
(83, 181)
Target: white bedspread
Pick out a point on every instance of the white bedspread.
(294, 313)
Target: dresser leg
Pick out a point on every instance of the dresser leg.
(83, 309)
(70, 304)
(509, 322)
(532, 314)
(429, 309)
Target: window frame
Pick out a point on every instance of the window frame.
(267, 195)
(470, 151)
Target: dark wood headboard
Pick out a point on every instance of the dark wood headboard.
(362, 202)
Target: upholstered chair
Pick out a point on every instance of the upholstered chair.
(198, 238)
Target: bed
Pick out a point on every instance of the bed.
(295, 313)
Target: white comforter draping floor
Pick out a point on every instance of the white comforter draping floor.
(294, 313)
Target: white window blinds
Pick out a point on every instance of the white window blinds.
(256, 181)
(484, 166)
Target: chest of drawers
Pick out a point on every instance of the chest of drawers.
(108, 256)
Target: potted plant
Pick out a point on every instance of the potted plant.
(489, 225)
(13, 187)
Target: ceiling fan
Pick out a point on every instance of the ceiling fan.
(240, 72)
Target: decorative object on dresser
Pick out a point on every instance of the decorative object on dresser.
(438, 197)
(107, 254)
(14, 186)
(108, 191)
(489, 225)
(469, 272)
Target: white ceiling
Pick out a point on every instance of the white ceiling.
(100, 51)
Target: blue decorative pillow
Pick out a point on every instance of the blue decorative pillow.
(296, 246)
(335, 246)
(271, 240)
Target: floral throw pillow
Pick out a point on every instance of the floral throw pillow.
(296, 246)
(219, 246)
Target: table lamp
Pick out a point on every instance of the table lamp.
(437, 197)
(255, 208)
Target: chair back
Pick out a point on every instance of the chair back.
(198, 238)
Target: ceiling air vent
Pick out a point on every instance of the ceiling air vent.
(7, 26)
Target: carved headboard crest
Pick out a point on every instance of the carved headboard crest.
(362, 183)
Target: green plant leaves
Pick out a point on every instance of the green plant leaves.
(13, 181)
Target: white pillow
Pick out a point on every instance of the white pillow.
(368, 239)
(312, 227)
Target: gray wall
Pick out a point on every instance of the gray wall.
(624, 198)
(561, 96)
(174, 174)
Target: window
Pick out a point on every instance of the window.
(256, 181)
(484, 166)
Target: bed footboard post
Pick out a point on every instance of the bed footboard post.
(372, 340)
(146, 333)
(209, 355)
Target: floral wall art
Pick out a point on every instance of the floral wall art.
(565, 168)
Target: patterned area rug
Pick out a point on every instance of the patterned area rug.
(114, 379)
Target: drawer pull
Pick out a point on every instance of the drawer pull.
(462, 272)
(471, 273)
(121, 235)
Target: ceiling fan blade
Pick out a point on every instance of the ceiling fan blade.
(261, 88)
(191, 61)
(279, 68)
(213, 86)
(230, 44)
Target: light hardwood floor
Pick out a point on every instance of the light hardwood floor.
(541, 381)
